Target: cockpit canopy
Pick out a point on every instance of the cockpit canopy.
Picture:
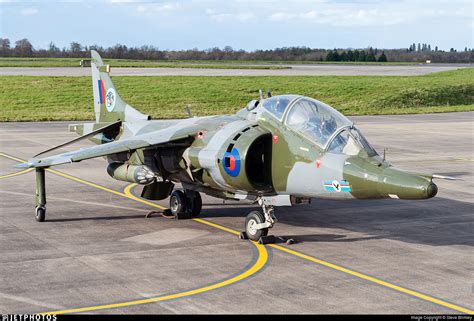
(318, 122)
(278, 104)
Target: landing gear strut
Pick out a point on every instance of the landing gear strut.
(40, 209)
(185, 204)
(258, 223)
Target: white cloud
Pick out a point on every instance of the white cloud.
(160, 8)
(123, 1)
(232, 17)
(29, 11)
(364, 14)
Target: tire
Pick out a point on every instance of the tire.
(255, 217)
(194, 202)
(40, 213)
(178, 204)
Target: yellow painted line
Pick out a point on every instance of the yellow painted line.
(329, 265)
(216, 226)
(257, 266)
(261, 261)
(17, 173)
(127, 193)
(12, 157)
(374, 280)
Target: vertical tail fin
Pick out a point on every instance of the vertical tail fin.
(108, 105)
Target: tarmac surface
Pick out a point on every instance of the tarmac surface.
(296, 70)
(97, 253)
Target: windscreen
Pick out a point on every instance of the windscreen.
(350, 142)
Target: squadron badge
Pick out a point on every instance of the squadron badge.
(110, 98)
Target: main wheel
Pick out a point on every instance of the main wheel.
(194, 202)
(254, 218)
(40, 213)
(178, 204)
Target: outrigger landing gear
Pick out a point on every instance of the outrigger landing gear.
(40, 209)
(258, 223)
(185, 204)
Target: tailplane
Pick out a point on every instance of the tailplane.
(108, 105)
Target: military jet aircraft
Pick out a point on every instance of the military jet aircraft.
(277, 151)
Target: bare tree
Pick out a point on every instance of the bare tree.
(5, 47)
(23, 48)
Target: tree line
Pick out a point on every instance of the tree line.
(371, 55)
(414, 53)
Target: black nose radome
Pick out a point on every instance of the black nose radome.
(432, 190)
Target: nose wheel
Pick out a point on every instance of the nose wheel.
(258, 223)
(252, 223)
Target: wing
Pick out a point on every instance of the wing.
(158, 137)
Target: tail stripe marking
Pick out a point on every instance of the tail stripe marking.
(101, 91)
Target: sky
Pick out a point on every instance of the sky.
(241, 24)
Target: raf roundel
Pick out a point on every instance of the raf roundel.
(231, 162)
(110, 98)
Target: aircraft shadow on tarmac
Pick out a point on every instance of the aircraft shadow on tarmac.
(435, 222)
(95, 218)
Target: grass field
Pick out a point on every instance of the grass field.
(25, 98)
(129, 63)
(74, 62)
(221, 64)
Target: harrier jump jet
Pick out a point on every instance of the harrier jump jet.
(277, 151)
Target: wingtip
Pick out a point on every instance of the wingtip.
(450, 178)
(24, 165)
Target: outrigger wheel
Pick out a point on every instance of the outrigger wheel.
(40, 213)
(185, 204)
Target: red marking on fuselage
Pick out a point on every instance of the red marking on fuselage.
(318, 163)
(232, 163)
(275, 139)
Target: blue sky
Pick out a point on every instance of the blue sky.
(242, 24)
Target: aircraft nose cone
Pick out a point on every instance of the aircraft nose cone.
(432, 190)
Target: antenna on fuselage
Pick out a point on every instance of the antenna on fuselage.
(188, 111)
(260, 92)
(269, 93)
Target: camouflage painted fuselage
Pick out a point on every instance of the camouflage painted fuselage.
(254, 153)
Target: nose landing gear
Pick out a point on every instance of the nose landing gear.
(257, 224)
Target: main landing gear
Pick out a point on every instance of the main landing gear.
(257, 224)
(185, 204)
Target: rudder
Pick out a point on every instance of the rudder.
(108, 105)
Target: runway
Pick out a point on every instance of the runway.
(294, 70)
(96, 253)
